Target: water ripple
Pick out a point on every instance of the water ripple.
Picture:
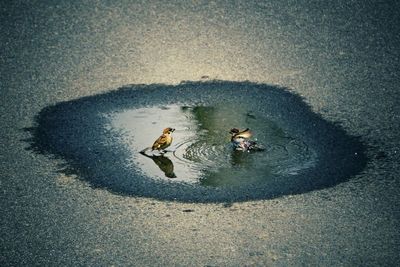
(100, 138)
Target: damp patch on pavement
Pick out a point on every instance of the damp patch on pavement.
(100, 137)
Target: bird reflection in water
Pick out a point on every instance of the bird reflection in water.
(164, 163)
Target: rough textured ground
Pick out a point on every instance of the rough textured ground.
(342, 57)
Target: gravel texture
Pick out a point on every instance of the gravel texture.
(342, 57)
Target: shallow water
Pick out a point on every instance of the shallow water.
(201, 152)
(100, 138)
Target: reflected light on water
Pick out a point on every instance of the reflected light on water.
(100, 138)
(141, 127)
(201, 151)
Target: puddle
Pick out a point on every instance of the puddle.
(100, 138)
(201, 152)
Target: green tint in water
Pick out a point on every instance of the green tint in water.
(100, 138)
(201, 152)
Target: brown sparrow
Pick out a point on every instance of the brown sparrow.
(164, 140)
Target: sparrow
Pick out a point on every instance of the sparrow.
(240, 139)
(164, 140)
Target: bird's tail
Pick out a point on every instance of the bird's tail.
(145, 150)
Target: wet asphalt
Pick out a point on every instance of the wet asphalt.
(342, 58)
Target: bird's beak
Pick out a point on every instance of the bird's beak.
(172, 129)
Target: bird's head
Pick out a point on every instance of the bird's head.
(168, 130)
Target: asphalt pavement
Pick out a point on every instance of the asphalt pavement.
(341, 57)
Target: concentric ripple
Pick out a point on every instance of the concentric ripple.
(201, 151)
(100, 138)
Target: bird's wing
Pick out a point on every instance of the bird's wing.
(244, 134)
(160, 142)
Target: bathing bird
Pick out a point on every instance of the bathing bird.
(164, 140)
(240, 140)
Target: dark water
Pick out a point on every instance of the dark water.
(100, 138)
(202, 153)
